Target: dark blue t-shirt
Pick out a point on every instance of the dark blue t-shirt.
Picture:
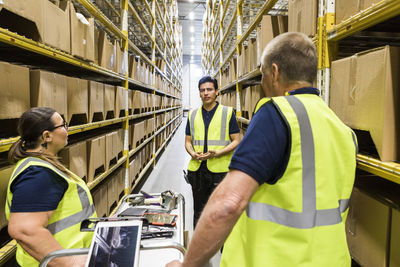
(37, 189)
(264, 151)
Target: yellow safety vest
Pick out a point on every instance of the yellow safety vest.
(75, 206)
(217, 138)
(300, 220)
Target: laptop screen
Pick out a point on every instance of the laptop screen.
(115, 244)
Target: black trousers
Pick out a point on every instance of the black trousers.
(203, 182)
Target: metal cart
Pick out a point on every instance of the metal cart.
(165, 249)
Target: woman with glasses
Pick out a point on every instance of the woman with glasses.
(45, 201)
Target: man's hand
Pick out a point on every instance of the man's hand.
(209, 155)
(197, 155)
(174, 263)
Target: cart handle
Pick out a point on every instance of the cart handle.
(62, 253)
(83, 251)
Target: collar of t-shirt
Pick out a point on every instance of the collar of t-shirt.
(208, 115)
(304, 90)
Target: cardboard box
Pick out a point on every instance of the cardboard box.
(132, 174)
(364, 95)
(138, 134)
(96, 46)
(77, 99)
(49, 89)
(100, 200)
(74, 157)
(111, 151)
(346, 8)
(112, 192)
(109, 101)
(15, 91)
(5, 175)
(136, 101)
(367, 229)
(120, 101)
(120, 182)
(107, 52)
(96, 148)
(35, 20)
(150, 126)
(133, 67)
(82, 35)
(137, 165)
(270, 27)
(395, 239)
(303, 16)
(252, 46)
(256, 94)
(246, 66)
(96, 101)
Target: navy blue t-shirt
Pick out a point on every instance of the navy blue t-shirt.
(37, 189)
(264, 151)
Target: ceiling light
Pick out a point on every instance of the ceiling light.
(191, 29)
(192, 39)
(191, 16)
(192, 47)
(192, 57)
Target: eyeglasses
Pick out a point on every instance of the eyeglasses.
(65, 125)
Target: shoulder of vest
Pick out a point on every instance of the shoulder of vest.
(43, 164)
(261, 102)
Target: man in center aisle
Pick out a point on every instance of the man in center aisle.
(212, 133)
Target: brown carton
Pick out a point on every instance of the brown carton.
(38, 24)
(109, 101)
(111, 151)
(252, 45)
(49, 89)
(82, 36)
(232, 69)
(96, 46)
(246, 66)
(74, 158)
(150, 126)
(112, 192)
(120, 101)
(256, 94)
(120, 58)
(346, 8)
(77, 98)
(133, 67)
(5, 174)
(367, 229)
(131, 173)
(137, 101)
(366, 96)
(107, 52)
(100, 200)
(120, 182)
(303, 16)
(138, 133)
(15, 91)
(96, 101)
(269, 28)
(95, 156)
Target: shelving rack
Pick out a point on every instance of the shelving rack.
(148, 29)
(327, 38)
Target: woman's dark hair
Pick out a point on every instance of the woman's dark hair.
(31, 125)
(208, 79)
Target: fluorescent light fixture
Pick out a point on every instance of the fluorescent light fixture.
(192, 57)
(191, 16)
(191, 29)
(192, 39)
(192, 47)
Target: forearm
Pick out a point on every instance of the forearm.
(189, 149)
(228, 148)
(216, 222)
(40, 243)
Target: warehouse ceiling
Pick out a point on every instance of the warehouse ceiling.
(192, 25)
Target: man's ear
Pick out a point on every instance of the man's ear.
(275, 72)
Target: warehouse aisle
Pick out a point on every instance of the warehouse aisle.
(168, 174)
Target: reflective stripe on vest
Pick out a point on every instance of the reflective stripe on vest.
(58, 226)
(221, 141)
(310, 217)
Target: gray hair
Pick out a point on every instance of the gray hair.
(294, 54)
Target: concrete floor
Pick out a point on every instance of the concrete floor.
(168, 175)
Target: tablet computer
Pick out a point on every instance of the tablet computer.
(115, 243)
